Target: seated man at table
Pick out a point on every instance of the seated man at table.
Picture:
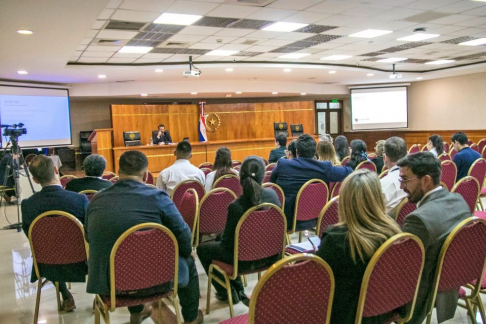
(54, 197)
(161, 135)
(128, 203)
(291, 174)
(94, 166)
(181, 170)
(280, 143)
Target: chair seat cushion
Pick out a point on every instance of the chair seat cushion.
(483, 192)
(462, 293)
(127, 300)
(228, 268)
(242, 319)
(480, 214)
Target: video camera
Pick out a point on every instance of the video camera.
(15, 131)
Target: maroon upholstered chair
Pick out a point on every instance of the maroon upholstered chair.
(265, 161)
(29, 158)
(476, 302)
(270, 167)
(335, 189)
(446, 147)
(297, 289)
(182, 187)
(468, 188)
(48, 235)
(108, 175)
(444, 157)
(275, 187)
(189, 209)
(235, 163)
(478, 171)
(65, 179)
(230, 181)
(415, 148)
(150, 178)
(481, 145)
(403, 209)
(483, 153)
(89, 193)
(448, 174)
(206, 165)
(452, 153)
(470, 142)
(461, 261)
(383, 174)
(328, 216)
(475, 148)
(371, 156)
(145, 256)
(206, 171)
(237, 167)
(311, 199)
(114, 179)
(424, 148)
(396, 266)
(268, 175)
(260, 234)
(213, 212)
(368, 165)
(345, 160)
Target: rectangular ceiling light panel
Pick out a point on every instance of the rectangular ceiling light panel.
(417, 37)
(284, 27)
(177, 19)
(371, 33)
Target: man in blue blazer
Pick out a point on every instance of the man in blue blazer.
(292, 174)
(54, 197)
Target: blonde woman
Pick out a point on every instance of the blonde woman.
(378, 160)
(325, 152)
(349, 245)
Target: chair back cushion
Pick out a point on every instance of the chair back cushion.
(393, 275)
(108, 175)
(261, 233)
(312, 197)
(404, 210)
(295, 293)
(206, 171)
(444, 157)
(335, 189)
(345, 160)
(182, 187)
(270, 167)
(367, 165)
(475, 147)
(268, 175)
(478, 170)
(452, 153)
(329, 216)
(449, 173)
(65, 180)
(206, 165)
(144, 259)
(231, 182)
(189, 207)
(213, 210)
(468, 188)
(49, 237)
(481, 145)
(415, 148)
(150, 178)
(275, 187)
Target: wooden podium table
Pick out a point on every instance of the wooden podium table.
(102, 144)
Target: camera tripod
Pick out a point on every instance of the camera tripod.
(12, 168)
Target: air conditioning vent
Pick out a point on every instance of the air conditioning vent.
(249, 42)
(109, 42)
(124, 81)
(255, 3)
(124, 25)
(177, 44)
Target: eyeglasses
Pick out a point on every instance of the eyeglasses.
(405, 181)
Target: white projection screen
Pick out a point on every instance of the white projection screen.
(379, 108)
(43, 111)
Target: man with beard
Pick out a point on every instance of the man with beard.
(438, 212)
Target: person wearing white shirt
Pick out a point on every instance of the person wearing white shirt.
(435, 145)
(395, 149)
(222, 166)
(181, 170)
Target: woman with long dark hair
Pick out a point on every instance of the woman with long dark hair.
(435, 145)
(221, 167)
(358, 153)
(252, 173)
(342, 147)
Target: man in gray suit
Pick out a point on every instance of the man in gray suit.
(438, 212)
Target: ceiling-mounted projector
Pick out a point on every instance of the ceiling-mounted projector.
(192, 73)
(395, 75)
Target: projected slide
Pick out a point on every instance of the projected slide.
(44, 113)
(379, 108)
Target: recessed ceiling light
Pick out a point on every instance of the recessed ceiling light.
(392, 59)
(332, 72)
(370, 74)
(475, 42)
(22, 72)
(144, 94)
(194, 93)
(294, 55)
(177, 19)
(101, 76)
(25, 32)
(479, 0)
(229, 70)
(221, 53)
(135, 49)
(159, 70)
(370, 33)
(419, 78)
(303, 94)
(284, 27)
(439, 62)
(274, 93)
(336, 57)
(238, 92)
(417, 37)
(287, 70)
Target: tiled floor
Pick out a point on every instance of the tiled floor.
(17, 297)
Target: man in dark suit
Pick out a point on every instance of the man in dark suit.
(54, 197)
(127, 203)
(465, 156)
(438, 212)
(161, 136)
(94, 166)
(280, 143)
(292, 174)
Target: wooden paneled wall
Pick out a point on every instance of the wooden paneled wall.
(180, 120)
(255, 120)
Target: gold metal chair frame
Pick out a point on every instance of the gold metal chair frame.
(237, 161)
(345, 159)
(41, 283)
(297, 202)
(473, 297)
(370, 267)
(399, 207)
(383, 173)
(88, 191)
(275, 186)
(114, 178)
(227, 278)
(334, 188)
(186, 182)
(444, 154)
(205, 165)
(201, 202)
(383, 169)
(365, 162)
(480, 141)
(109, 173)
(414, 145)
(323, 212)
(423, 149)
(196, 216)
(479, 202)
(270, 165)
(467, 178)
(151, 185)
(301, 257)
(455, 167)
(226, 176)
(68, 176)
(102, 309)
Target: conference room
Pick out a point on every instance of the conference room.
(174, 96)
